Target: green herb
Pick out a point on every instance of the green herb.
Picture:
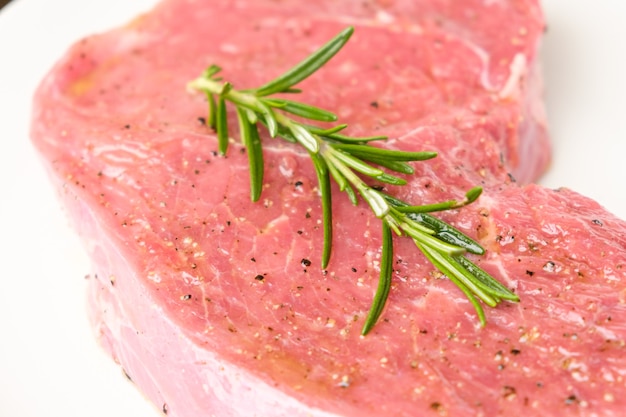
(347, 160)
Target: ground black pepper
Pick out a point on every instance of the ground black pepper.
(436, 406)
(508, 391)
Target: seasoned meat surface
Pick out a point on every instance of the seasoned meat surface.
(217, 306)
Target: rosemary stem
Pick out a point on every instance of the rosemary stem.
(236, 97)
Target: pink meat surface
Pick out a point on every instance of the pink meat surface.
(215, 306)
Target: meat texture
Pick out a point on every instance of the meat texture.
(215, 306)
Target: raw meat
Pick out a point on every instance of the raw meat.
(215, 306)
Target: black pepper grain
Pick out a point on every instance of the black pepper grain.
(436, 406)
(508, 391)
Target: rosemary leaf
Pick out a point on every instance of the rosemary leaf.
(250, 136)
(351, 195)
(226, 88)
(304, 137)
(470, 197)
(473, 194)
(397, 166)
(325, 132)
(487, 280)
(268, 117)
(301, 109)
(390, 179)
(428, 208)
(341, 181)
(212, 118)
(377, 203)
(211, 71)
(386, 154)
(384, 281)
(354, 140)
(432, 242)
(221, 125)
(323, 179)
(292, 91)
(449, 233)
(251, 116)
(357, 164)
(306, 67)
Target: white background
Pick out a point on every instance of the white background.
(49, 362)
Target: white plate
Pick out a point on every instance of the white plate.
(49, 361)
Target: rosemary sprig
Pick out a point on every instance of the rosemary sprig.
(347, 160)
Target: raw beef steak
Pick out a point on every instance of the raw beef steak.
(215, 306)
